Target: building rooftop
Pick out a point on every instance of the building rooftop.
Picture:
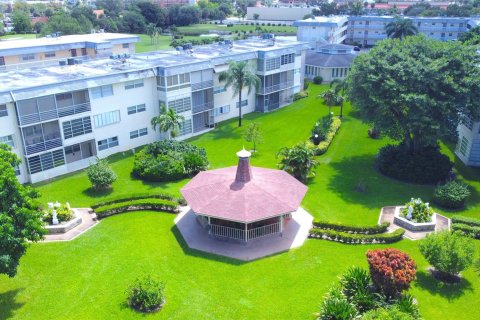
(322, 20)
(326, 60)
(95, 70)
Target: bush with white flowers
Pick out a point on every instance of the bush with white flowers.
(417, 211)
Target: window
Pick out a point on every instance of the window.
(461, 25)
(136, 109)
(3, 110)
(46, 161)
(80, 151)
(180, 104)
(467, 122)
(73, 52)
(2, 61)
(77, 127)
(244, 103)
(450, 34)
(8, 140)
(443, 35)
(17, 170)
(287, 58)
(220, 89)
(107, 143)
(107, 118)
(464, 146)
(125, 45)
(185, 127)
(178, 79)
(138, 133)
(272, 64)
(84, 51)
(28, 57)
(222, 110)
(102, 91)
(50, 54)
(134, 84)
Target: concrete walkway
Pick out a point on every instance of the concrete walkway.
(387, 214)
(88, 222)
(196, 237)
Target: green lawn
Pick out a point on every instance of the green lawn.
(18, 36)
(86, 278)
(206, 27)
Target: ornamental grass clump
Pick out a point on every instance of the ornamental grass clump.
(146, 295)
(417, 211)
(391, 270)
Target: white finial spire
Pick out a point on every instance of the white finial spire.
(243, 153)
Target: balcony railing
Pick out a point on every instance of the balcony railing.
(202, 107)
(202, 85)
(53, 114)
(276, 87)
(43, 146)
(263, 231)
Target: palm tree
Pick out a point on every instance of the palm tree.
(298, 160)
(239, 76)
(331, 98)
(401, 28)
(167, 120)
(340, 86)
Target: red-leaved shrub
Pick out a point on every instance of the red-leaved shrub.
(391, 270)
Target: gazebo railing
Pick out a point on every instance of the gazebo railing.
(263, 231)
(227, 232)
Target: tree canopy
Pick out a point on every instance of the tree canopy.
(417, 89)
(20, 218)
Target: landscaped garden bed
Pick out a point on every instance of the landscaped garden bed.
(323, 133)
(416, 216)
(60, 218)
(136, 205)
(467, 226)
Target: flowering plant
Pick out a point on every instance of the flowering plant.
(417, 211)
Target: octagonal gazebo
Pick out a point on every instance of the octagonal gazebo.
(243, 202)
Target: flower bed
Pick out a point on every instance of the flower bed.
(324, 143)
(375, 229)
(352, 238)
(413, 226)
(136, 205)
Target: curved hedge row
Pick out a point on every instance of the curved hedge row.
(376, 229)
(137, 196)
(352, 238)
(467, 230)
(466, 220)
(137, 205)
(322, 147)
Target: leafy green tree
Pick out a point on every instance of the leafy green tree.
(132, 22)
(153, 32)
(152, 13)
(112, 8)
(340, 87)
(20, 216)
(253, 133)
(400, 28)
(331, 98)
(21, 22)
(298, 160)
(66, 24)
(416, 90)
(471, 37)
(167, 120)
(100, 175)
(450, 253)
(240, 76)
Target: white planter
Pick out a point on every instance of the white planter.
(412, 226)
(65, 226)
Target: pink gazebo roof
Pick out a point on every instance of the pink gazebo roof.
(263, 193)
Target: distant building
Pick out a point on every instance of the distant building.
(15, 52)
(332, 29)
(329, 61)
(168, 3)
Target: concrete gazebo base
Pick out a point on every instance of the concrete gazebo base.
(294, 235)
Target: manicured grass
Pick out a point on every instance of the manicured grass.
(205, 28)
(18, 36)
(86, 278)
(145, 44)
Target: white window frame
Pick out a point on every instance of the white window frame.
(3, 110)
(138, 133)
(8, 140)
(134, 84)
(107, 143)
(101, 91)
(136, 109)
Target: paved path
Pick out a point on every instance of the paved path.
(87, 223)
(294, 235)
(387, 214)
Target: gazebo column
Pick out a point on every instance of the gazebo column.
(246, 232)
(281, 225)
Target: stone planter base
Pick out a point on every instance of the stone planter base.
(412, 226)
(66, 226)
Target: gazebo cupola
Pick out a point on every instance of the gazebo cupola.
(243, 202)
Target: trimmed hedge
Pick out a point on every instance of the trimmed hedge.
(322, 147)
(137, 205)
(376, 229)
(466, 220)
(137, 196)
(451, 195)
(352, 238)
(465, 229)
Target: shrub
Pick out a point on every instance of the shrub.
(449, 253)
(138, 196)
(146, 294)
(64, 213)
(300, 95)
(417, 211)
(373, 133)
(451, 195)
(335, 306)
(305, 84)
(100, 174)
(391, 270)
(426, 166)
(356, 285)
(322, 146)
(407, 304)
(136, 205)
(169, 160)
(466, 220)
(352, 238)
(376, 229)
(392, 313)
(317, 80)
(466, 230)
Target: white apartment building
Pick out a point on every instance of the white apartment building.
(58, 118)
(468, 146)
(322, 30)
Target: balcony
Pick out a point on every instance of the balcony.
(202, 85)
(202, 107)
(43, 146)
(276, 87)
(53, 114)
(71, 110)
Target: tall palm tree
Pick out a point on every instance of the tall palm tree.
(239, 76)
(400, 28)
(340, 87)
(298, 160)
(167, 120)
(331, 98)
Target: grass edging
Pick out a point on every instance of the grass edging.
(374, 229)
(137, 205)
(322, 147)
(138, 196)
(355, 238)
